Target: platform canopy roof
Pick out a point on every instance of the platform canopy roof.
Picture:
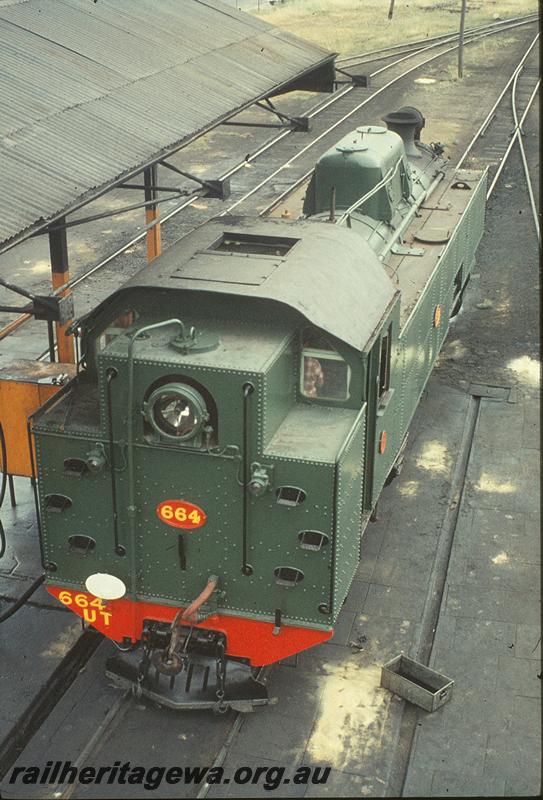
(93, 92)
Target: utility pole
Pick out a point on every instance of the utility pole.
(461, 39)
(391, 9)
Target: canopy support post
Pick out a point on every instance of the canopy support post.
(150, 181)
(60, 274)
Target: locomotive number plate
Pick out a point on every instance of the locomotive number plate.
(180, 514)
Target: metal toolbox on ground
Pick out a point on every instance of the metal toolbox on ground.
(416, 683)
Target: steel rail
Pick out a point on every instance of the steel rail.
(223, 752)
(514, 137)
(412, 53)
(435, 597)
(14, 324)
(519, 135)
(220, 758)
(467, 40)
(342, 59)
(117, 709)
(492, 111)
(313, 112)
(317, 109)
(91, 748)
(58, 684)
(275, 202)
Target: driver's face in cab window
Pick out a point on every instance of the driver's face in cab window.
(313, 376)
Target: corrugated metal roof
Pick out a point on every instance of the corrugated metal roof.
(91, 91)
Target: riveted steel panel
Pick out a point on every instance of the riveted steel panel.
(90, 513)
(279, 392)
(349, 477)
(274, 542)
(388, 420)
(213, 484)
(213, 549)
(420, 339)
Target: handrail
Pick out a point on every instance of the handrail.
(131, 508)
(382, 183)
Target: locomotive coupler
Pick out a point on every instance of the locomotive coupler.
(186, 667)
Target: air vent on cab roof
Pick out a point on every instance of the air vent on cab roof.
(253, 244)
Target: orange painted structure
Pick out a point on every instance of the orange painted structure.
(154, 245)
(246, 638)
(24, 386)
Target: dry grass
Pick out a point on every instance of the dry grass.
(351, 26)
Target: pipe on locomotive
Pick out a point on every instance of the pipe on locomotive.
(345, 217)
(247, 390)
(191, 612)
(388, 177)
(131, 508)
(411, 213)
(111, 374)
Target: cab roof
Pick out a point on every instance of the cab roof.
(329, 275)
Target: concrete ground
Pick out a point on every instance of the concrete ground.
(488, 740)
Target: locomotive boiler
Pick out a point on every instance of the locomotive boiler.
(206, 479)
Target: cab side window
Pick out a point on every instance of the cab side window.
(324, 373)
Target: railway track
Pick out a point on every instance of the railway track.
(58, 683)
(505, 122)
(371, 56)
(304, 163)
(519, 93)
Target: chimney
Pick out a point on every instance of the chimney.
(407, 122)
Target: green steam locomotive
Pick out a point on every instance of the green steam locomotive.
(206, 479)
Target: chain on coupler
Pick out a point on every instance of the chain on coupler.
(143, 668)
(221, 706)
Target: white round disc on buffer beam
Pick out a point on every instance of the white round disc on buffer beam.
(105, 586)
